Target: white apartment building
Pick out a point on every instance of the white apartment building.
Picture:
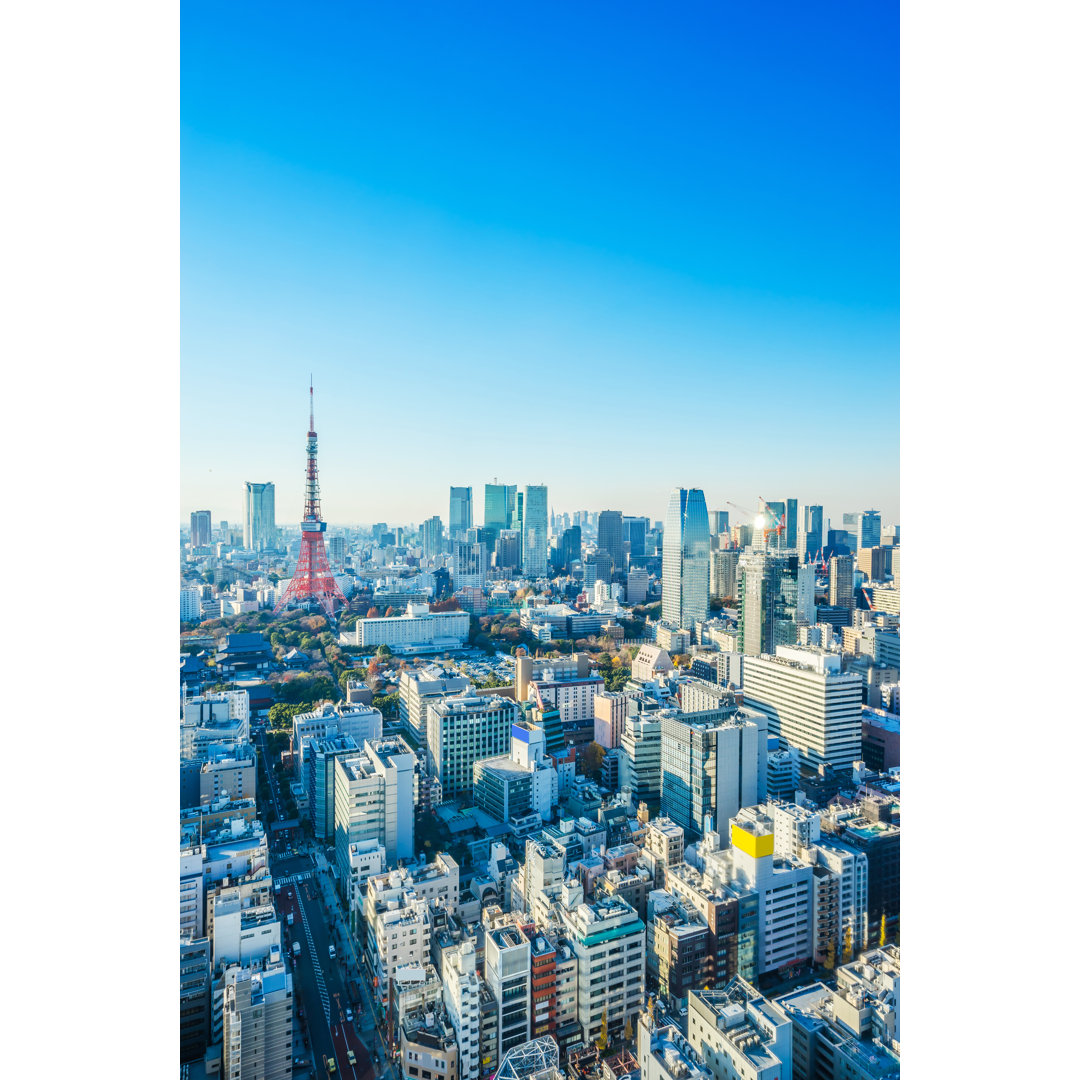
(398, 928)
(243, 934)
(464, 729)
(192, 900)
(739, 1034)
(809, 703)
(566, 987)
(438, 882)
(461, 996)
(609, 940)
(190, 605)
(373, 800)
(418, 630)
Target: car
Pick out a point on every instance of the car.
(351, 1057)
(331, 1065)
(348, 1014)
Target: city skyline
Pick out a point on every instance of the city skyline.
(712, 250)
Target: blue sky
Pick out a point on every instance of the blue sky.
(608, 247)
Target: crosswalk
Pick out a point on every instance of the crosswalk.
(295, 879)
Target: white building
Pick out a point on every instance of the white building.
(810, 704)
(190, 605)
(257, 1012)
(464, 729)
(663, 1053)
(360, 722)
(609, 940)
(423, 687)
(373, 800)
(739, 1034)
(418, 630)
(461, 996)
(398, 928)
(507, 969)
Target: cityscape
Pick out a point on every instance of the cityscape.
(533, 792)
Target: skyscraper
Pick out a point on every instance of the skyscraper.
(569, 547)
(200, 528)
(869, 530)
(634, 529)
(460, 512)
(609, 535)
(768, 587)
(842, 582)
(686, 560)
(808, 543)
(791, 524)
(500, 503)
(534, 543)
(431, 537)
(718, 522)
(260, 527)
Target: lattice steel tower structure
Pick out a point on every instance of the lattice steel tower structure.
(312, 579)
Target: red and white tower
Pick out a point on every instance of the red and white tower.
(312, 579)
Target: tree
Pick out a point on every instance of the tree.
(383, 650)
(592, 760)
(881, 938)
(281, 714)
(272, 578)
(372, 613)
(389, 613)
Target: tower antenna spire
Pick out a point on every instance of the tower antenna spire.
(313, 580)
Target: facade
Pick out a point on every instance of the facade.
(663, 1053)
(534, 538)
(465, 729)
(190, 605)
(260, 523)
(360, 722)
(195, 967)
(723, 579)
(398, 929)
(809, 541)
(431, 537)
(869, 534)
(768, 590)
(461, 515)
(470, 560)
(686, 560)
(609, 718)
(810, 704)
(427, 1045)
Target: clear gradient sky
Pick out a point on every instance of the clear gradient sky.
(609, 247)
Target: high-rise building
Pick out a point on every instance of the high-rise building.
(465, 729)
(507, 968)
(461, 996)
(431, 537)
(686, 560)
(869, 529)
(373, 800)
(534, 540)
(460, 512)
(257, 1014)
(811, 705)
(639, 762)
(500, 505)
(260, 525)
(609, 535)
(768, 601)
(808, 542)
(842, 582)
(568, 550)
(200, 528)
(723, 580)
(711, 767)
(872, 562)
(718, 522)
(190, 605)
(336, 548)
(634, 530)
(470, 562)
(791, 524)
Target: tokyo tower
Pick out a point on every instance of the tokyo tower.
(312, 579)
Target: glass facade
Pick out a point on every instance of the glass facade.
(534, 546)
(686, 560)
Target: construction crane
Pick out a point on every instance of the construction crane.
(778, 526)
